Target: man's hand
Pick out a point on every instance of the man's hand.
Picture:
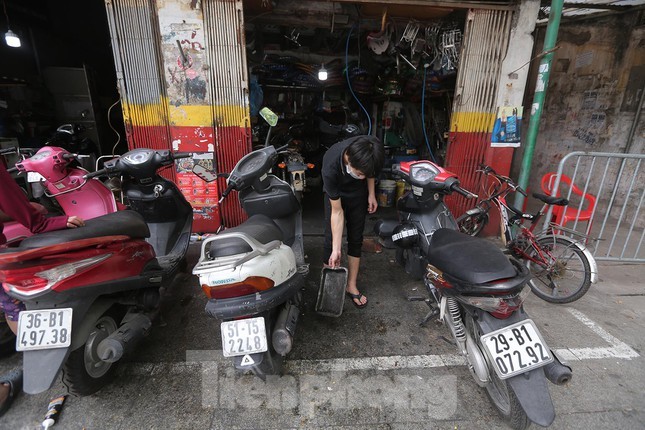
(74, 221)
(334, 259)
(372, 204)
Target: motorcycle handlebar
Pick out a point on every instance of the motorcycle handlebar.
(177, 155)
(95, 174)
(226, 192)
(456, 188)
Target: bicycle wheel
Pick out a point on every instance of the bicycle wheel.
(562, 274)
(472, 224)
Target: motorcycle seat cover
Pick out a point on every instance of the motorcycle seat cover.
(259, 227)
(473, 260)
(128, 223)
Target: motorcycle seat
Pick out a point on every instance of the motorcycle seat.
(467, 258)
(128, 223)
(259, 227)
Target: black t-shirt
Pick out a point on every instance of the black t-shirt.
(336, 181)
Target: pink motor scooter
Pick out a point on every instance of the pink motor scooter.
(86, 198)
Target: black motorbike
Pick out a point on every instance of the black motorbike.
(478, 293)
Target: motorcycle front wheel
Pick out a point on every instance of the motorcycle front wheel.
(562, 273)
(84, 372)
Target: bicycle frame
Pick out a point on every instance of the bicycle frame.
(525, 235)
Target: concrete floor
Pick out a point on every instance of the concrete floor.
(373, 368)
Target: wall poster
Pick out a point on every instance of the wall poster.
(507, 129)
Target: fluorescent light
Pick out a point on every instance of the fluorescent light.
(322, 73)
(12, 39)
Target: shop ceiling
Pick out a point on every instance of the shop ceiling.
(320, 13)
(344, 13)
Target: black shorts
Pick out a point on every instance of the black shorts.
(355, 210)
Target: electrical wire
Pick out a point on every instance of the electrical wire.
(423, 113)
(349, 84)
(114, 129)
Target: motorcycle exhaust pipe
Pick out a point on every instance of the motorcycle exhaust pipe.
(285, 327)
(113, 347)
(558, 372)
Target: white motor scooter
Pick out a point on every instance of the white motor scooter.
(253, 274)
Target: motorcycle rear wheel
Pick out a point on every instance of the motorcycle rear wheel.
(84, 372)
(498, 390)
(506, 402)
(7, 338)
(472, 224)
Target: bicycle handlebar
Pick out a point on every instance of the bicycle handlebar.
(512, 185)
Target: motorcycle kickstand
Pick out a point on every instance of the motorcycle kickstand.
(433, 311)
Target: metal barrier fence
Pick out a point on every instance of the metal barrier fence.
(614, 224)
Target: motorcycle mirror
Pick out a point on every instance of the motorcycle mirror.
(269, 116)
(203, 173)
(66, 128)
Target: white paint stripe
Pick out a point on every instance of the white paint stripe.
(618, 349)
(375, 363)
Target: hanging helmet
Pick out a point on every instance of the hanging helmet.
(405, 235)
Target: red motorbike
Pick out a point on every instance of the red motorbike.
(92, 292)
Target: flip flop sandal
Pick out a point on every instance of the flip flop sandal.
(356, 297)
(14, 380)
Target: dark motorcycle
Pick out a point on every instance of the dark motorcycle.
(478, 293)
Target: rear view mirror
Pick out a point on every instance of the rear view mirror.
(204, 174)
(268, 115)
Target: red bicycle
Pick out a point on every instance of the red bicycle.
(563, 268)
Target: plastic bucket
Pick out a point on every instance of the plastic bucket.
(386, 193)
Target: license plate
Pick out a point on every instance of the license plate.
(34, 177)
(241, 337)
(516, 349)
(44, 329)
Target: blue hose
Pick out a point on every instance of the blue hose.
(423, 113)
(349, 84)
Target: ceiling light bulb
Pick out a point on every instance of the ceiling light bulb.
(322, 74)
(12, 39)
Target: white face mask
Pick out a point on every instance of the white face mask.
(351, 173)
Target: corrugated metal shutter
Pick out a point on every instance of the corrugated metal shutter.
(229, 92)
(201, 104)
(486, 39)
(135, 35)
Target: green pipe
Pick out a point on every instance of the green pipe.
(538, 98)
